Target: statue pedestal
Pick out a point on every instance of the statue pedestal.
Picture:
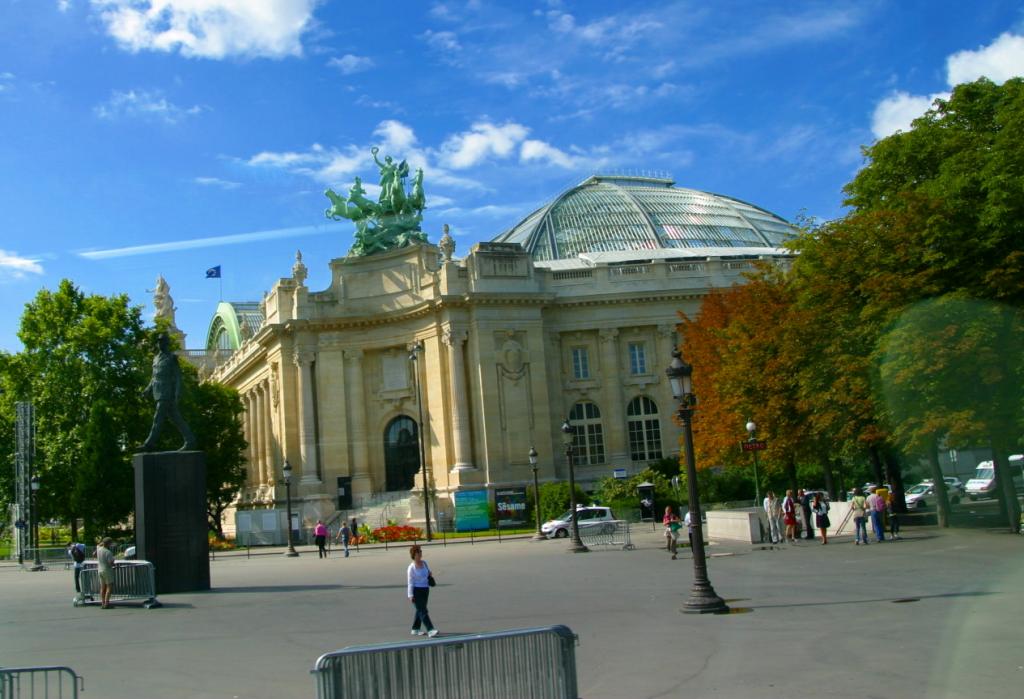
(170, 519)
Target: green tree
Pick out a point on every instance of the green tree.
(79, 349)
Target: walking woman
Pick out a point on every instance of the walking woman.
(820, 507)
(419, 583)
(789, 516)
(320, 537)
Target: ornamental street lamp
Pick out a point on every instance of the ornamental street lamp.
(414, 355)
(536, 495)
(752, 432)
(287, 471)
(703, 599)
(34, 486)
(577, 543)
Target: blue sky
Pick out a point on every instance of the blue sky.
(146, 137)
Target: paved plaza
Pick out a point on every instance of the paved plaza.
(938, 614)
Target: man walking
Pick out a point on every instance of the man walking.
(344, 534)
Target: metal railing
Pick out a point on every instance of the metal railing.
(537, 663)
(132, 580)
(39, 682)
(614, 533)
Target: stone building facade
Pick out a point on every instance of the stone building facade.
(517, 336)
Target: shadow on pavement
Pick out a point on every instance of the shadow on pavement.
(945, 595)
(276, 588)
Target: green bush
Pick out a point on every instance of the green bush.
(554, 500)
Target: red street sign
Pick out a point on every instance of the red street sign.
(754, 445)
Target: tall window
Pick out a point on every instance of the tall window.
(580, 363)
(637, 359)
(587, 434)
(644, 429)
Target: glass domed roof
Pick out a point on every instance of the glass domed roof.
(622, 213)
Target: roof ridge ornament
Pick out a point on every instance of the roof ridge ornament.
(393, 221)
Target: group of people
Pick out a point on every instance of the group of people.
(344, 537)
(807, 511)
(877, 506)
(672, 525)
(793, 514)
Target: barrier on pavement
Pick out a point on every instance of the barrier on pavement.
(132, 580)
(539, 663)
(39, 683)
(613, 533)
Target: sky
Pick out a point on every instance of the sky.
(163, 137)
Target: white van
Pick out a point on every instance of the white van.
(984, 482)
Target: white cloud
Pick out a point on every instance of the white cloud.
(63, 5)
(217, 182)
(209, 28)
(539, 150)
(144, 104)
(397, 136)
(898, 110)
(349, 63)
(442, 41)
(484, 139)
(999, 61)
(13, 266)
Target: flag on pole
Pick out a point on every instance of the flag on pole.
(213, 272)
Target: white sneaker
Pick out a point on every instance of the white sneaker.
(432, 633)
(417, 632)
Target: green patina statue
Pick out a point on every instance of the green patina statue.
(393, 221)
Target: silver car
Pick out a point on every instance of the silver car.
(591, 517)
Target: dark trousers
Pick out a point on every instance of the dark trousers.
(321, 541)
(809, 534)
(419, 598)
(78, 579)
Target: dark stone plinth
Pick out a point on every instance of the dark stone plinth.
(170, 519)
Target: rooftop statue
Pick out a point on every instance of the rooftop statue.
(393, 221)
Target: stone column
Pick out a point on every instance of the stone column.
(454, 339)
(257, 437)
(614, 421)
(362, 484)
(269, 457)
(307, 433)
(668, 340)
(252, 474)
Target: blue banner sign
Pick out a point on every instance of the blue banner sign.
(471, 512)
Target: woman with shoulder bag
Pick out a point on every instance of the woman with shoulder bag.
(820, 507)
(420, 580)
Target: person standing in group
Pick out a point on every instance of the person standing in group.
(105, 564)
(876, 506)
(672, 526)
(355, 531)
(789, 516)
(344, 536)
(804, 499)
(858, 508)
(688, 523)
(419, 581)
(773, 510)
(820, 507)
(320, 537)
(894, 522)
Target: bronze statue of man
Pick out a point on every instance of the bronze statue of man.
(166, 388)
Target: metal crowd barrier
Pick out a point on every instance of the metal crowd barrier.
(41, 682)
(132, 580)
(538, 663)
(614, 533)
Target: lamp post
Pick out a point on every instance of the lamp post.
(536, 495)
(287, 471)
(703, 599)
(752, 437)
(414, 355)
(34, 535)
(577, 543)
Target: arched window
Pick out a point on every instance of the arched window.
(587, 434)
(401, 453)
(644, 429)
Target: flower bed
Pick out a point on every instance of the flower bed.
(396, 532)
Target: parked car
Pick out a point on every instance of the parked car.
(587, 518)
(954, 487)
(923, 494)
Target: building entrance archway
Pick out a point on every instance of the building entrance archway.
(401, 453)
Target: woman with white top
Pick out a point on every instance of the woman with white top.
(419, 580)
